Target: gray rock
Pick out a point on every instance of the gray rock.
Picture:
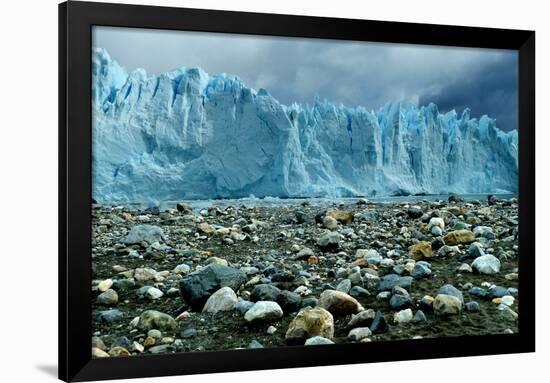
(419, 317)
(144, 233)
(196, 288)
(317, 340)
(289, 301)
(472, 306)
(403, 316)
(152, 319)
(265, 292)
(359, 333)
(243, 306)
(359, 292)
(486, 264)
(255, 344)
(264, 311)
(222, 300)
(189, 333)
(398, 301)
(109, 316)
(421, 270)
(108, 297)
(344, 286)
(329, 240)
(387, 282)
(449, 289)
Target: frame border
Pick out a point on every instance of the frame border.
(75, 22)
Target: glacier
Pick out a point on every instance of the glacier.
(186, 134)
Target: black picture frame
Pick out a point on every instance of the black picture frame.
(75, 24)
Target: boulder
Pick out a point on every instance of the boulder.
(152, 319)
(310, 322)
(264, 311)
(222, 300)
(342, 216)
(459, 237)
(144, 233)
(196, 288)
(339, 303)
(486, 264)
(447, 305)
(420, 250)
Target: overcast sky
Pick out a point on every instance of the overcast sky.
(351, 73)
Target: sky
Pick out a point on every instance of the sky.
(345, 72)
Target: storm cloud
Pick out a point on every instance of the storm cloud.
(347, 72)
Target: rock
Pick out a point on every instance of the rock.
(255, 344)
(472, 306)
(317, 341)
(359, 333)
(398, 302)
(184, 208)
(379, 325)
(414, 212)
(419, 317)
(264, 311)
(484, 231)
(154, 293)
(421, 270)
(109, 316)
(289, 301)
(304, 253)
(329, 240)
(97, 353)
(455, 198)
(507, 300)
(511, 276)
(196, 288)
(189, 333)
(486, 264)
(436, 231)
(144, 233)
(447, 305)
(108, 297)
(119, 351)
(271, 330)
(464, 268)
(344, 286)
(339, 303)
(182, 269)
(310, 322)
(436, 222)
(160, 349)
(216, 261)
(342, 216)
(359, 292)
(446, 251)
(98, 343)
(459, 237)
(222, 300)
(243, 306)
(152, 319)
(449, 289)
(389, 281)
(265, 292)
(105, 285)
(205, 228)
(475, 250)
(330, 223)
(420, 250)
(403, 316)
(144, 274)
(362, 319)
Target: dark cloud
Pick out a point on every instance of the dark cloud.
(351, 73)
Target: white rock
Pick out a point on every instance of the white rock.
(222, 300)
(486, 264)
(264, 311)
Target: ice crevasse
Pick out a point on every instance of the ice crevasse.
(189, 135)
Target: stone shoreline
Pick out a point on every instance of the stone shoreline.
(243, 277)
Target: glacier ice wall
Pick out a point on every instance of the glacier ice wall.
(189, 135)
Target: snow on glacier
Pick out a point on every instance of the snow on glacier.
(189, 135)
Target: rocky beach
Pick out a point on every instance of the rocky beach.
(232, 276)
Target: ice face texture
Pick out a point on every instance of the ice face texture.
(189, 135)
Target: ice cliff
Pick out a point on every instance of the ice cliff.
(189, 135)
